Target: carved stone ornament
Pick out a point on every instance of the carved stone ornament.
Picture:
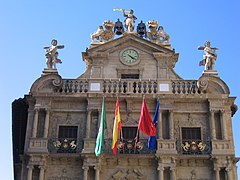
(103, 35)
(131, 174)
(157, 34)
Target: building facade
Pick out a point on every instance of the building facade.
(55, 126)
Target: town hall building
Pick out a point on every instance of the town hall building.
(55, 126)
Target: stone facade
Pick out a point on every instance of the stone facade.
(59, 107)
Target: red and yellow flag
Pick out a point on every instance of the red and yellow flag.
(116, 128)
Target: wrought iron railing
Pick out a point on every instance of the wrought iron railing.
(194, 147)
(126, 86)
(133, 146)
(65, 145)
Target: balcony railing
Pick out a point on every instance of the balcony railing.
(126, 86)
(65, 145)
(129, 147)
(194, 147)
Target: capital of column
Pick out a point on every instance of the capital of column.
(85, 168)
(228, 169)
(30, 166)
(42, 167)
(222, 111)
(216, 169)
(97, 167)
(160, 167)
(212, 110)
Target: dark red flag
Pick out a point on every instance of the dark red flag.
(145, 123)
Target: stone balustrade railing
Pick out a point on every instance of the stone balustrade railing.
(125, 86)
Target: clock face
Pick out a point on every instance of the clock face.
(129, 56)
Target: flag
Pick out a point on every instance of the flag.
(145, 123)
(116, 128)
(152, 140)
(100, 136)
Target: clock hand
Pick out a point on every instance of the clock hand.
(131, 56)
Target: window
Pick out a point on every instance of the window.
(218, 125)
(67, 132)
(129, 133)
(191, 133)
(165, 125)
(129, 76)
(67, 139)
(41, 122)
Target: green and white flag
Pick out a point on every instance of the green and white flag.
(100, 136)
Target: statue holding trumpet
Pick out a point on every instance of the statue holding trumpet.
(130, 18)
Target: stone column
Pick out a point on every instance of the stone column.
(160, 125)
(35, 123)
(160, 171)
(88, 128)
(97, 172)
(29, 173)
(46, 125)
(173, 173)
(229, 173)
(42, 172)
(223, 124)
(171, 125)
(216, 173)
(212, 125)
(85, 172)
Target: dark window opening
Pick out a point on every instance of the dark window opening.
(165, 125)
(129, 76)
(129, 133)
(191, 134)
(67, 132)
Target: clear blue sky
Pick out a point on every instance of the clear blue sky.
(27, 26)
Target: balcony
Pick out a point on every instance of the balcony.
(194, 147)
(65, 145)
(129, 147)
(126, 86)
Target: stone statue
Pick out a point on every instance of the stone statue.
(103, 35)
(210, 56)
(130, 18)
(157, 34)
(97, 34)
(163, 36)
(52, 54)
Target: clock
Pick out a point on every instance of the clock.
(129, 56)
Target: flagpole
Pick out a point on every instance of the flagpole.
(136, 138)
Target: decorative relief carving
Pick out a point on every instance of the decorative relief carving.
(131, 174)
(63, 178)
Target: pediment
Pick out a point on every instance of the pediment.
(125, 41)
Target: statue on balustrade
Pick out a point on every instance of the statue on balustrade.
(52, 54)
(210, 56)
(129, 20)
